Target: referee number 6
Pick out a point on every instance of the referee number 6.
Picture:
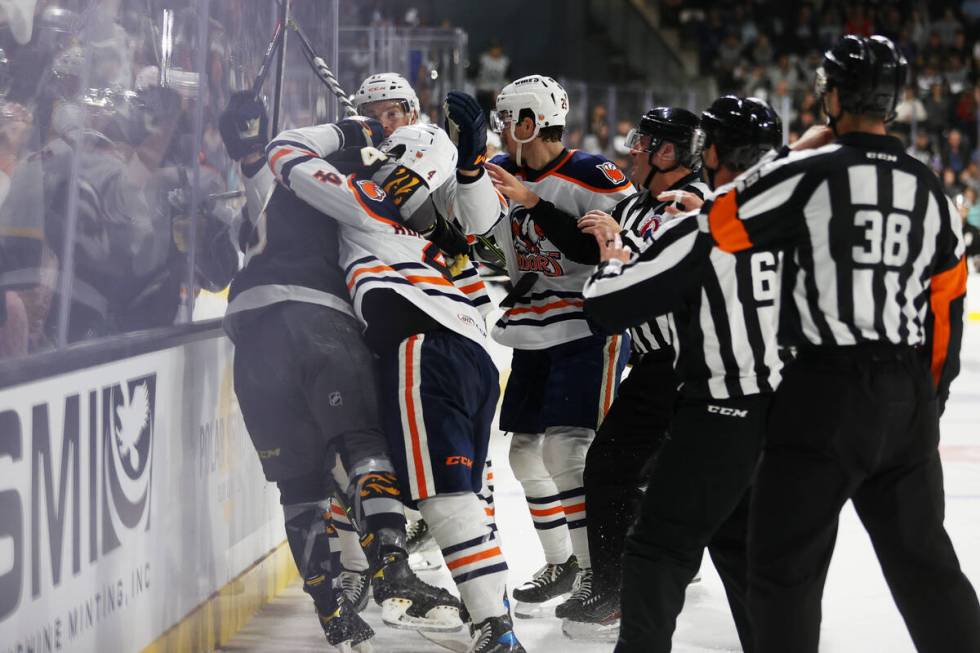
(765, 268)
(886, 238)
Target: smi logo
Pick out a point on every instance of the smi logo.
(79, 482)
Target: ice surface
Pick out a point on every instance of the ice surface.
(859, 614)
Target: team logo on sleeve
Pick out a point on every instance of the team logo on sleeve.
(371, 189)
(612, 173)
(402, 184)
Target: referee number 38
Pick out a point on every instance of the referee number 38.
(886, 238)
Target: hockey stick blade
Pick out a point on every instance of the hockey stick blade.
(447, 642)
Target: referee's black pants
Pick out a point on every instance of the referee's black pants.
(697, 498)
(618, 458)
(857, 423)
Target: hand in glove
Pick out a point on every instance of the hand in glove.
(361, 132)
(244, 125)
(466, 125)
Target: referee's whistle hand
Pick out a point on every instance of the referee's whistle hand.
(814, 137)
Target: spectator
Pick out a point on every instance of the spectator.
(858, 21)
(922, 149)
(785, 71)
(956, 153)
(970, 177)
(830, 27)
(749, 31)
(955, 73)
(947, 26)
(623, 128)
(493, 75)
(761, 52)
(937, 109)
(918, 26)
(910, 110)
(950, 183)
(803, 36)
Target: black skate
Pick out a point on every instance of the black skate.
(423, 553)
(355, 586)
(596, 618)
(495, 635)
(407, 602)
(345, 630)
(573, 604)
(537, 597)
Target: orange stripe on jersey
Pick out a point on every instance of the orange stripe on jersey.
(476, 557)
(553, 306)
(944, 289)
(412, 419)
(360, 271)
(594, 189)
(578, 507)
(367, 209)
(473, 287)
(727, 229)
(337, 510)
(283, 151)
(544, 512)
(439, 281)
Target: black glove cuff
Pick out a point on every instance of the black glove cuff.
(251, 169)
(466, 179)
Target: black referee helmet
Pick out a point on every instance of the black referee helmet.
(668, 124)
(741, 129)
(868, 73)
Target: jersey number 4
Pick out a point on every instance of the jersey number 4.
(886, 238)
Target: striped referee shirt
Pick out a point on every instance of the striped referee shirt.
(640, 216)
(724, 308)
(875, 248)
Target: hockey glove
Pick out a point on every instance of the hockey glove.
(466, 125)
(244, 125)
(449, 238)
(362, 161)
(361, 132)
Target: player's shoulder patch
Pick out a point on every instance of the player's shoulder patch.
(593, 171)
(505, 161)
(371, 190)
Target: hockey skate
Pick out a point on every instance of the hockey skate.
(355, 586)
(583, 589)
(407, 602)
(595, 618)
(495, 635)
(423, 553)
(539, 596)
(346, 631)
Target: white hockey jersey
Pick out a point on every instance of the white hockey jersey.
(376, 250)
(551, 312)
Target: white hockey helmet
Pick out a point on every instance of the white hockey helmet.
(542, 96)
(388, 86)
(425, 150)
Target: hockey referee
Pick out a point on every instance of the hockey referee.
(874, 281)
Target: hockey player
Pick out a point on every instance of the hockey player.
(290, 317)
(874, 285)
(563, 376)
(425, 322)
(666, 151)
(390, 99)
(724, 317)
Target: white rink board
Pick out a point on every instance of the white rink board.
(102, 548)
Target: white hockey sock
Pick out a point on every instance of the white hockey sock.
(351, 554)
(563, 453)
(543, 496)
(471, 551)
(486, 496)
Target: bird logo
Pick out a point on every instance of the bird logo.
(611, 172)
(132, 418)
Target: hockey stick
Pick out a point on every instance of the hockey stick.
(270, 53)
(322, 71)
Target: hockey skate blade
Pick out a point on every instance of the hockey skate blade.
(363, 647)
(425, 560)
(543, 610)
(448, 642)
(440, 619)
(590, 632)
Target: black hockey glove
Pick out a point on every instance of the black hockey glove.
(360, 161)
(360, 132)
(244, 125)
(449, 238)
(466, 125)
